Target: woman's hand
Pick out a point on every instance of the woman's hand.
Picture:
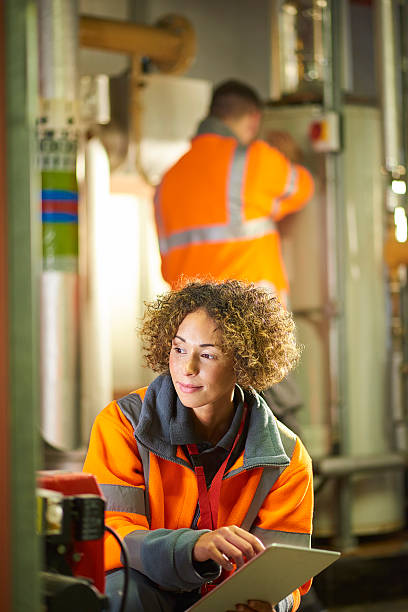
(253, 605)
(227, 545)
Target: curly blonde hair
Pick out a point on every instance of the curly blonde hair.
(257, 332)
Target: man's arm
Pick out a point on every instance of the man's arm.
(285, 187)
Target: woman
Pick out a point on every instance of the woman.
(198, 474)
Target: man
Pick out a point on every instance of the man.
(216, 209)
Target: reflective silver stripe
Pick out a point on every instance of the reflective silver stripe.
(145, 459)
(234, 229)
(286, 605)
(290, 183)
(157, 209)
(290, 188)
(235, 185)
(255, 228)
(131, 406)
(268, 478)
(268, 536)
(123, 499)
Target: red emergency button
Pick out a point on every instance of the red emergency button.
(315, 130)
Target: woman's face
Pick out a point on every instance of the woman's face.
(202, 374)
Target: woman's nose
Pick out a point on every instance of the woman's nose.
(191, 365)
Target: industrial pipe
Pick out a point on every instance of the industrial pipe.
(337, 466)
(170, 44)
(342, 468)
(389, 71)
(57, 137)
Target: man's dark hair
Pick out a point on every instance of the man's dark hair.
(233, 99)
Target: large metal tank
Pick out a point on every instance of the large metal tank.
(309, 246)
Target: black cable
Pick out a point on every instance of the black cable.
(126, 566)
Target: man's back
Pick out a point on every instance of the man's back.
(216, 209)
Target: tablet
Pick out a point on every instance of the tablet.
(270, 576)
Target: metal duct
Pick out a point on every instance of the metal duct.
(57, 149)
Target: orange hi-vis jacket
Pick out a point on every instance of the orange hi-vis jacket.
(216, 209)
(151, 490)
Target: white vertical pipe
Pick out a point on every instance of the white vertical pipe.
(96, 343)
(57, 138)
(58, 35)
(389, 68)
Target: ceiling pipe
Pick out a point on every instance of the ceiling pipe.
(170, 44)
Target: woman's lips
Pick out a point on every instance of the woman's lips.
(189, 388)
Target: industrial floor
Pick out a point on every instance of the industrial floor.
(373, 577)
(400, 605)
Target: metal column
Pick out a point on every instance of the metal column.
(24, 259)
(5, 480)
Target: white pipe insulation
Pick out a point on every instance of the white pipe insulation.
(57, 154)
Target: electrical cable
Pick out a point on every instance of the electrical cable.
(126, 566)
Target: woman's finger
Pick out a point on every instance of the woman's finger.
(259, 606)
(230, 550)
(247, 543)
(227, 544)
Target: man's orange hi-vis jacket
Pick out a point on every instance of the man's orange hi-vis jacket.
(151, 490)
(216, 209)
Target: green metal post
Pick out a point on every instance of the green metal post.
(24, 257)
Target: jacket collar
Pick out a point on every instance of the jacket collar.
(212, 125)
(161, 417)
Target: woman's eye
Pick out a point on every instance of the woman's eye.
(208, 356)
(177, 349)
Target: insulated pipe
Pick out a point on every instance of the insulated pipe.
(341, 468)
(337, 466)
(389, 71)
(335, 229)
(57, 135)
(170, 44)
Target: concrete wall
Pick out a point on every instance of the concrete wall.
(232, 36)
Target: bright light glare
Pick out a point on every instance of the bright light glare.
(399, 187)
(400, 220)
(290, 9)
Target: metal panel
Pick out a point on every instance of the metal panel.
(376, 500)
(305, 254)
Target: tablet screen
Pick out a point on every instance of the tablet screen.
(270, 576)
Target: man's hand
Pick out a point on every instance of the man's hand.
(227, 545)
(253, 606)
(286, 144)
